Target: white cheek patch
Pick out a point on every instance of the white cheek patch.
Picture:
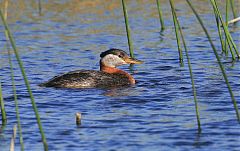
(112, 60)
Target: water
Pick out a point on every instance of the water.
(156, 114)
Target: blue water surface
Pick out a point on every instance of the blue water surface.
(157, 113)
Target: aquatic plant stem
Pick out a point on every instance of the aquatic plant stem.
(4, 116)
(128, 30)
(160, 15)
(220, 35)
(226, 21)
(16, 102)
(226, 31)
(177, 33)
(227, 39)
(39, 7)
(233, 9)
(218, 60)
(13, 83)
(11, 39)
(189, 66)
(192, 81)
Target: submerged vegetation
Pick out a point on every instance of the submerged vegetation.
(227, 45)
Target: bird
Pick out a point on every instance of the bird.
(109, 75)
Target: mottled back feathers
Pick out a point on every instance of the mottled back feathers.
(87, 79)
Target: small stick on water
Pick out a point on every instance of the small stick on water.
(13, 138)
(234, 20)
(78, 118)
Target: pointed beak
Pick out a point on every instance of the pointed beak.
(132, 61)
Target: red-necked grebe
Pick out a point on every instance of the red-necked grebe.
(108, 76)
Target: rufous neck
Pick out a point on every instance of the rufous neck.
(114, 70)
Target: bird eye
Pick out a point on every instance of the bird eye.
(120, 55)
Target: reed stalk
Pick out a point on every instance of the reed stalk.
(189, 65)
(16, 102)
(177, 32)
(11, 39)
(39, 7)
(226, 31)
(227, 40)
(13, 83)
(160, 16)
(218, 60)
(226, 21)
(233, 8)
(4, 116)
(221, 37)
(3, 126)
(128, 30)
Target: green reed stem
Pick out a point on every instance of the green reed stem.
(220, 35)
(3, 126)
(189, 65)
(39, 7)
(177, 32)
(25, 80)
(130, 45)
(160, 15)
(192, 81)
(218, 13)
(226, 31)
(218, 60)
(226, 21)
(233, 8)
(4, 116)
(16, 101)
(13, 83)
